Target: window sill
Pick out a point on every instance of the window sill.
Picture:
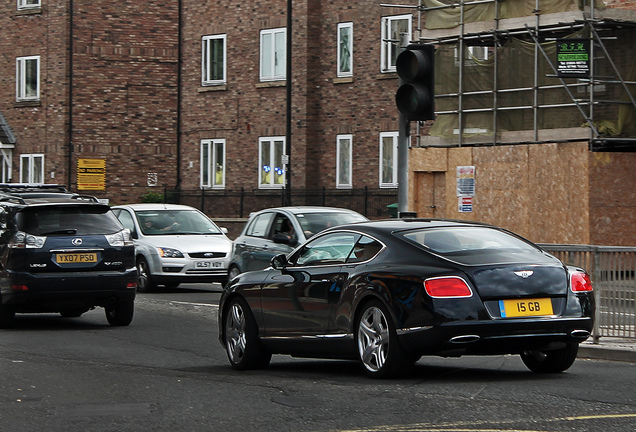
(343, 80)
(211, 88)
(27, 103)
(269, 84)
(29, 11)
(387, 75)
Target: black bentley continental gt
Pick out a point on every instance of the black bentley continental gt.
(388, 292)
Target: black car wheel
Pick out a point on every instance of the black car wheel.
(144, 279)
(379, 350)
(7, 316)
(552, 361)
(241, 337)
(121, 313)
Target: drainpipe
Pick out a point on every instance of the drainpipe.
(69, 168)
(179, 61)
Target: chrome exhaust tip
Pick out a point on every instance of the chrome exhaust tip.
(580, 334)
(464, 339)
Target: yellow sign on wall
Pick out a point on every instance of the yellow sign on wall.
(91, 174)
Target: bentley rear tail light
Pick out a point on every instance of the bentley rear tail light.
(447, 287)
(580, 282)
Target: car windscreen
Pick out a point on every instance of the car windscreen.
(475, 245)
(175, 222)
(313, 223)
(68, 220)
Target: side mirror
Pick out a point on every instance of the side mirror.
(224, 230)
(279, 262)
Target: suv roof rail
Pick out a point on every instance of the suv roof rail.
(12, 198)
(90, 198)
(28, 187)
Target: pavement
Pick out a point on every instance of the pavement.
(609, 348)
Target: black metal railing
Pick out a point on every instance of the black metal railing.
(374, 203)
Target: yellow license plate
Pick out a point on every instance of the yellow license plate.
(73, 258)
(525, 307)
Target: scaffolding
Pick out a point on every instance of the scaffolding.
(508, 88)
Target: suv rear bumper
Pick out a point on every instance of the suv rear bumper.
(53, 292)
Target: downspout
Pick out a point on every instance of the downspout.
(69, 169)
(179, 61)
(288, 108)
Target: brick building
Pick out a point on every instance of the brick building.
(82, 82)
(205, 121)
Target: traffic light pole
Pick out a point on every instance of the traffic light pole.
(404, 133)
(415, 100)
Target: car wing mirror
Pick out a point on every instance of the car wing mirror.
(279, 262)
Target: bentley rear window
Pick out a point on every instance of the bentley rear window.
(474, 245)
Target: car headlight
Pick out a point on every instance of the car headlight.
(169, 253)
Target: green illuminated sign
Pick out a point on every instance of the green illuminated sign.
(573, 58)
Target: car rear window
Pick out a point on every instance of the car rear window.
(68, 220)
(474, 245)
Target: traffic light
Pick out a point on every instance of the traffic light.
(416, 96)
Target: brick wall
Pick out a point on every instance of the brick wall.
(322, 106)
(125, 93)
(124, 97)
(39, 126)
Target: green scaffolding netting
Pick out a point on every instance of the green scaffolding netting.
(522, 71)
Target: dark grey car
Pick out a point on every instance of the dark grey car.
(274, 231)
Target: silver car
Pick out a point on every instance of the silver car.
(279, 230)
(175, 244)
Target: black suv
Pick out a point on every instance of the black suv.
(65, 254)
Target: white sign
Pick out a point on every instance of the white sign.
(465, 204)
(465, 181)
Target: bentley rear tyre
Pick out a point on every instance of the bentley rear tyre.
(552, 361)
(379, 349)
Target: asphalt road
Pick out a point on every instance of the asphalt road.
(167, 372)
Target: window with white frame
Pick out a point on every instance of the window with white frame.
(6, 165)
(345, 49)
(344, 161)
(271, 172)
(474, 55)
(32, 168)
(388, 159)
(393, 27)
(213, 60)
(28, 4)
(28, 78)
(273, 54)
(213, 163)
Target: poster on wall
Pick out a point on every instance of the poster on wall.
(91, 174)
(465, 204)
(573, 58)
(465, 181)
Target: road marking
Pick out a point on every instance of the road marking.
(461, 426)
